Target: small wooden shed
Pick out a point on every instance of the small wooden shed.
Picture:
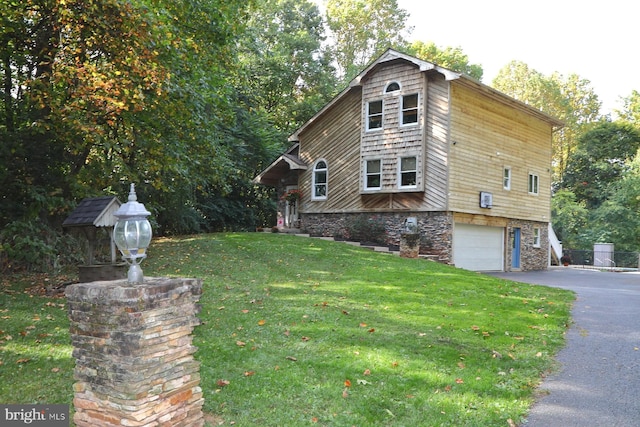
(88, 217)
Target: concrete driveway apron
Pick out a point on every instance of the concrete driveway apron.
(598, 381)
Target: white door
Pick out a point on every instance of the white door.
(478, 247)
(291, 210)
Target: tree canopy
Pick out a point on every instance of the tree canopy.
(190, 99)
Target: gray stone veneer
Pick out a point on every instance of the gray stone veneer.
(436, 231)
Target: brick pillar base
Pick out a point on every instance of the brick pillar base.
(134, 353)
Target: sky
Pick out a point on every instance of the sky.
(597, 41)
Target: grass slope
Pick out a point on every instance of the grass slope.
(303, 331)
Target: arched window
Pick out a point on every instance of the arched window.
(320, 180)
(392, 87)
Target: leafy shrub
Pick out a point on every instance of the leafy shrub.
(363, 228)
(34, 247)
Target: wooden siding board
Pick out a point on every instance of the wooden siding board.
(393, 140)
(437, 141)
(489, 136)
(336, 138)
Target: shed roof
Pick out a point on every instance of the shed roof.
(97, 212)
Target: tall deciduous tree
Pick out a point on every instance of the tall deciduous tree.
(363, 29)
(285, 71)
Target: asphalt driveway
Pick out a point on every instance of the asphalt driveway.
(598, 381)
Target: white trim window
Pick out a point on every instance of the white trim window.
(408, 172)
(373, 174)
(374, 115)
(392, 87)
(506, 178)
(534, 184)
(409, 113)
(536, 237)
(320, 179)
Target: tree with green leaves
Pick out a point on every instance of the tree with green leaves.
(601, 159)
(631, 108)
(452, 58)
(364, 29)
(570, 99)
(570, 218)
(285, 72)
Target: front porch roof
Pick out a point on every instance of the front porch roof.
(279, 168)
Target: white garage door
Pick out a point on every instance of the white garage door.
(478, 247)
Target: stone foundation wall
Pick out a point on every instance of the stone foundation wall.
(434, 228)
(531, 258)
(134, 353)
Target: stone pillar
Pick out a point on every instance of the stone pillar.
(134, 353)
(409, 245)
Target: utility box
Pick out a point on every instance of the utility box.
(603, 255)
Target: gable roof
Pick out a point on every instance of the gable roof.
(288, 161)
(426, 66)
(97, 212)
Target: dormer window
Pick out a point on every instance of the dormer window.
(392, 87)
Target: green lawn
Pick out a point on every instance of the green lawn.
(300, 331)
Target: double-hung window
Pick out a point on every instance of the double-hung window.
(506, 178)
(409, 113)
(536, 237)
(320, 180)
(374, 115)
(408, 172)
(534, 183)
(373, 175)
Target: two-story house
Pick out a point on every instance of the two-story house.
(410, 139)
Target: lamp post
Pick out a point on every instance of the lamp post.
(132, 234)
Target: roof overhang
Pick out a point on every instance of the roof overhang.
(278, 169)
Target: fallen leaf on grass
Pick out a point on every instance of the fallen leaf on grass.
(291, 358)
(366, 372)
(261, 322)
(249, 373)
(459, 381)
(305, 339)
(345, 393)
(347, 383)
(23, 360)
(241, 343)
(222, 383)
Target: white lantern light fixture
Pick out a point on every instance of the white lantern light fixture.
(132, 234)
